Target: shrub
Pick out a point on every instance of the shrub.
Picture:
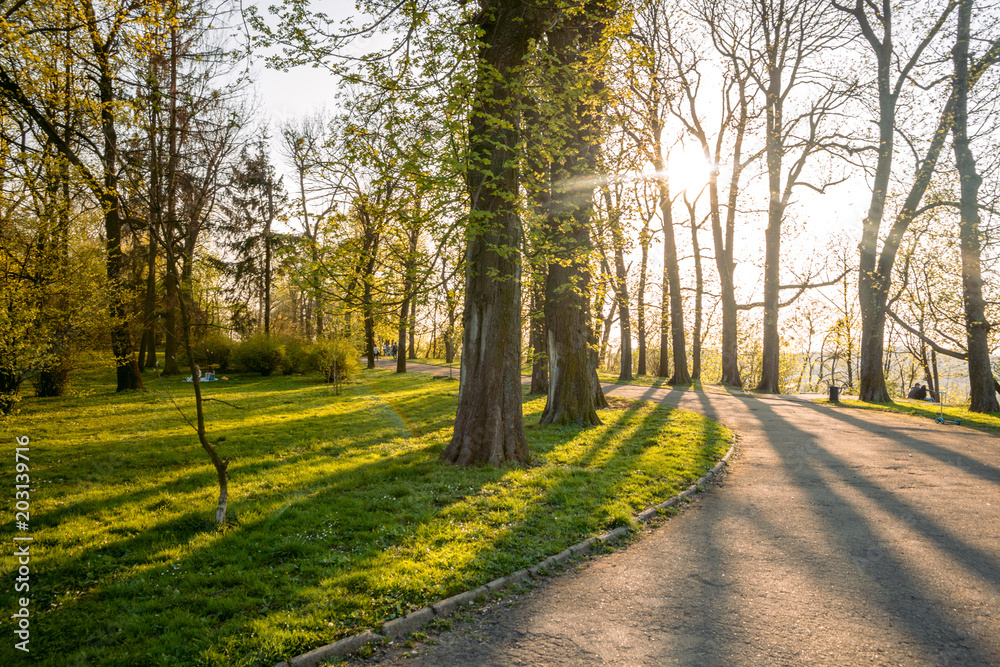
(8, 403)
(336, 359)
(10, 385)
(299, 356)
(215, 350)
(52, 380)
(260, 354)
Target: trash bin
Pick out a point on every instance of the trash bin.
(834, 393)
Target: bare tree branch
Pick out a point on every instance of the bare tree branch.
(937, 348)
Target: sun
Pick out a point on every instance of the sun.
(687, 169)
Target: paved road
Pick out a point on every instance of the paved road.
(837, 537)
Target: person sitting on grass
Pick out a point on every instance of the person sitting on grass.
(918, 392)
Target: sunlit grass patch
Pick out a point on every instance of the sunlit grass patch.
(341, 515)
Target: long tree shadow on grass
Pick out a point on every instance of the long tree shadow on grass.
(272, 527)
(178, 455)
(295, 553)
(286, 540)
(621, 462)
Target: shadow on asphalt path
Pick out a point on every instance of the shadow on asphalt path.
(882, 562)
(837, 537)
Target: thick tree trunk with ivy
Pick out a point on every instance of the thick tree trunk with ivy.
(983, 394)
(574, 391)
(489, 424)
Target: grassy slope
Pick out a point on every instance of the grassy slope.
(341, 516)
(989, 423)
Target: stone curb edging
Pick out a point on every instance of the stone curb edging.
(417, 619)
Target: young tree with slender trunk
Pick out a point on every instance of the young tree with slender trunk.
(699, 285)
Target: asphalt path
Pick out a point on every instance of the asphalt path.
(837, 536)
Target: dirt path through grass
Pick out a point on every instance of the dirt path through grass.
(837, 537)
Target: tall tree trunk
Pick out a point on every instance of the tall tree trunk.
(621, 291)
(723, 238)
(171, 364)
(155, 227)
(170, 297)
(640, 297)
(664, 365)
(408, 306)
(874, 269)
(770, 371)
(368, 306)
(983, 395)
(411, 352)
(404, 317)
(699, 291)
(574, 391)
(489, 424)
(538, 336)
(673, 285)
(451, 305)
(606, 330)
(267, 256)
(126, 365)
(149, 308)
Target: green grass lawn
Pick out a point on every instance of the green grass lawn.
(977, 420)
(603, 376)
(340, 515)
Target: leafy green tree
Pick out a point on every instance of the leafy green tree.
(94, 42)
(255, 200)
